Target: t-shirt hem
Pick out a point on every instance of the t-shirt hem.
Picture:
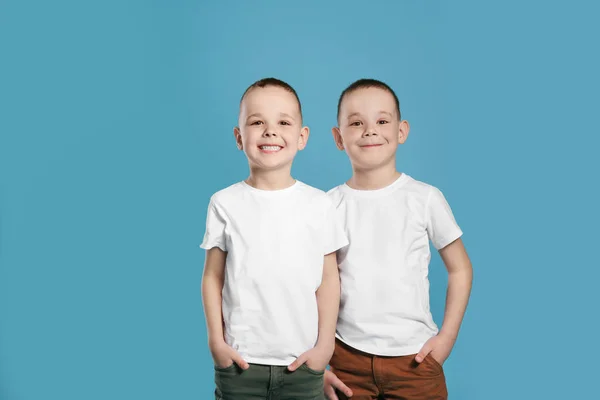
(391, 352)
(210, 245)
(449, 239)
(277, 362)
(336, 247)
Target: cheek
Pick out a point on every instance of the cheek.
(349, 138)
(291, 138)
(250, 137)
(391, 134)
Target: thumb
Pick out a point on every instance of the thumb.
(298, 362)
(237, 358)
(423, 353)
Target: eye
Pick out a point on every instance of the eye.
(382, 122)
(356, 123)
(256, 123)
(285, 123)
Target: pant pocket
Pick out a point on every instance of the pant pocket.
(233, 383)
(435, 363)
(303, 384)
(311, 371)
(226, 380)
(232, 367)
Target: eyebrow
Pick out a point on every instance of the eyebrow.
(288, 116)
(357, 114)
(259, 115)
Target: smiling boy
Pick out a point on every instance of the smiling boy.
(270, 286)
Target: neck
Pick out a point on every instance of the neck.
(270, 179)
(373, 179)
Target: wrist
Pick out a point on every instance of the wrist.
(448, 335)
(215, 341)
(326, 344)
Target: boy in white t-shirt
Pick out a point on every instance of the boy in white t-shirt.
(270, 286)
(388, 345)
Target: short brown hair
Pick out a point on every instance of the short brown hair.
(266, 82)
(365, 84)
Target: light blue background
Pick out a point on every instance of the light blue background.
(116, 125)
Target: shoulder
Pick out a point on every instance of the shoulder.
(226, 196)
(308, 190)
(418, 188)
(430, 196)
(312, 195)
(424, 192)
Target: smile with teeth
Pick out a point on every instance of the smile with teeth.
(270, 148)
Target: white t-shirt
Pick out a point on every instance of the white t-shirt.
(384, 307)
(275, 241)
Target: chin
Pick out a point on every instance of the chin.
(366, 165)
(374, 162)
(272, 165)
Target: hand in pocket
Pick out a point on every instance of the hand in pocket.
(224, 356)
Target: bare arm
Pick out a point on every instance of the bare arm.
(460, 278)
(212, 288)
(328, 301)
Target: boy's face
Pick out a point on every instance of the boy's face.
(270, 129)
(369, 128)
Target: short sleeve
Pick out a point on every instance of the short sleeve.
(214, 235)
(442, 228)
(334, 237)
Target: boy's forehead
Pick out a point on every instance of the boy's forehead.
(366, 99)
(269, 98)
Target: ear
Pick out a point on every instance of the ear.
(337, 137)
(238, 138)
(303, 139)
(403, 131)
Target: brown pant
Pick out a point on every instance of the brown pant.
(375, 377)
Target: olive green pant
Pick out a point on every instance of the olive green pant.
(268, 382)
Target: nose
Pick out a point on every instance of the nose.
(269, 132)
(370, 131)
